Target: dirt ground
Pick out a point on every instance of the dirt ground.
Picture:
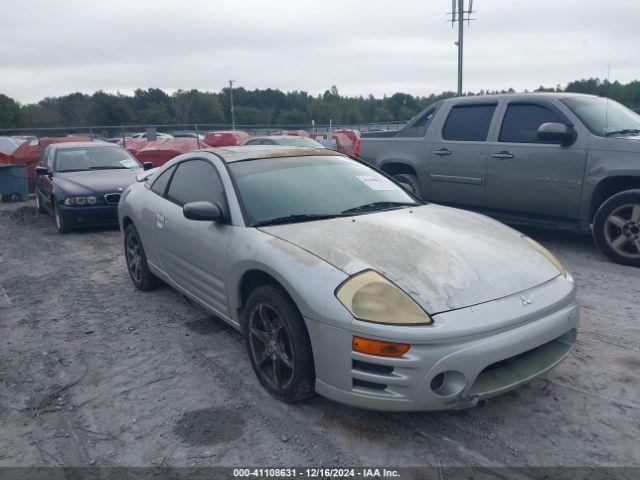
(94, 372)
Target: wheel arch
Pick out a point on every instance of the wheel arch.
(397, 167)
(126, 221)
(608, 187)
(254, 278)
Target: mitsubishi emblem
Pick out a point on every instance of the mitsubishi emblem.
(526, 301)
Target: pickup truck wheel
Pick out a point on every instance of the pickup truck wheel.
(409, 182)
(278, 344)
(616, 228)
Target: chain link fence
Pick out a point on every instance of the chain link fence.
(106, 132)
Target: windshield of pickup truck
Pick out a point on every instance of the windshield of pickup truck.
(604, 116)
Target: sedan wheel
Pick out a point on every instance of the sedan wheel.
(136, 260)
(39, 205)
(61, 223)
(617, 227)
(278, 344)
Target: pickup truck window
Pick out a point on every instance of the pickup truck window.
(469, 123)
(419, 127)
(522, 120)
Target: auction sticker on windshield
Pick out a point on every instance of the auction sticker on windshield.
(129, 163)
(376, 183)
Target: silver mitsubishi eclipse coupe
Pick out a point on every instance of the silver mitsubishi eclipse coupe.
(345, 284)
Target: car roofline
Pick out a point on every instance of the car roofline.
(262, 152)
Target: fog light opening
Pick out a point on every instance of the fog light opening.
(448, 384)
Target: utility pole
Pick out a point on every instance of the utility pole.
(459, 13)
(233, 116)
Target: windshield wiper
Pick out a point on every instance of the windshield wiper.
(109, 168)
(293, 219)
(624, 131)
(379, 206)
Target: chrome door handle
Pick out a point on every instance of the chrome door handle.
(159, 220)
(503, 155)
(442, 151)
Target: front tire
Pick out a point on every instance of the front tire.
(136, 259)
(39, 205)
(409, 182)
(62, 224)
(616, 228)
(278, 344)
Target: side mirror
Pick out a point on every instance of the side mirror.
(42, 171)
(203, 211)
(147, 166)
(557, 132)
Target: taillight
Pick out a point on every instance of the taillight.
(356, 148)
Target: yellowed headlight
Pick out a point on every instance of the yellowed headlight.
(550, 256)
(371, 297)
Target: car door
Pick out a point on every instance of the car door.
(529, 175)
(191, 252)
(457, 163)
(44, 183)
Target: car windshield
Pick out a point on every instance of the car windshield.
(604, 116)
(298, 142)
(293, 189)
(94, 158)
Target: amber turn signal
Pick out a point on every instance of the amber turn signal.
(379, 347)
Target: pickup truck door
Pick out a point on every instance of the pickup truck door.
(458, 159)
(528, 175)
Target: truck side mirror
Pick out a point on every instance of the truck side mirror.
(557, 133)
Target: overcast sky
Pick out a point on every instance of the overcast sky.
(380, 47)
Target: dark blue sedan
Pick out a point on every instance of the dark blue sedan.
(80, 183)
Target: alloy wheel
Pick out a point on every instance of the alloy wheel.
(134, 257)
(271, 346)
(622, 230)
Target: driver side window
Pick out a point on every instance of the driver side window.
(522, 120)
(196, 181)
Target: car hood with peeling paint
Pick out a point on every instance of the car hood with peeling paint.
(443, 257)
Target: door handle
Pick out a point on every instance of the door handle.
(503, 155)
(442, 151)
(159, 220)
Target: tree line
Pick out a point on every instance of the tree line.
(252, 107)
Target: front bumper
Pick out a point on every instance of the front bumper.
(89, 216)
(441, 372)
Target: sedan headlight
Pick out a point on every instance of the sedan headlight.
(79, 201)
(550, 256)
(371, 297)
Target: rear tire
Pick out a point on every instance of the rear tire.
(409, 182)
(278, 344)
(136, 259)
(616, 228)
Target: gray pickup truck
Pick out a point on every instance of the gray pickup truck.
(556, 160)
